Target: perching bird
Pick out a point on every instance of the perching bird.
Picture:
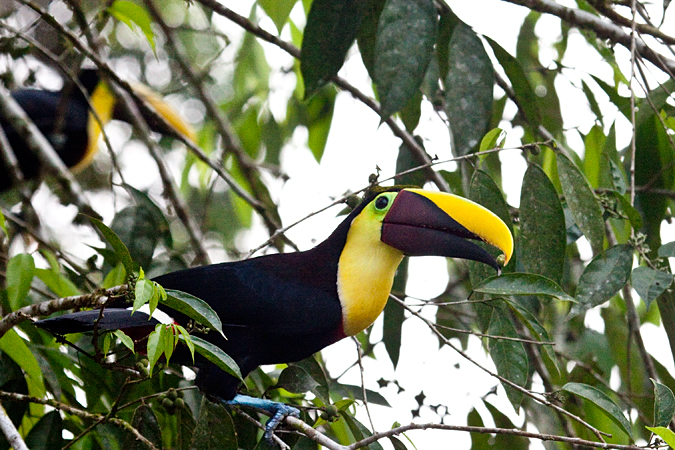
(69, 125)
(285, 307)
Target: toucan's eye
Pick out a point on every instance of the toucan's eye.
(382, 202)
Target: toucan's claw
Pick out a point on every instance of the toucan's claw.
(276, 410)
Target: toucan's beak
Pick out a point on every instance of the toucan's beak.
(177, 124)
(430, 223)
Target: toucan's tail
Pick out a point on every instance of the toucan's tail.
(111, 319)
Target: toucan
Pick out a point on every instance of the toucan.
(282, 308)
(65, 119)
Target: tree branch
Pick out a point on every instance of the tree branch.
(486, 430)
(15, 397)
(45, 308)
(10, 431)
(214, 112)
(604, 30)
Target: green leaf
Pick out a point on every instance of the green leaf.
(394, 315)
(446, 26)
(314, 369)
(617, 178)
(193, 307)
(15, 347)
(145, 289)
(650, 283)
(278, 11)
(138, 227)
(492, 139)
(320, 110)
(604, 276)
(20, 271)
(170, 338)
(527, 100)
(57, 282)
(216, 355)
(105, 347)
(126, 340)
(664, 433)
(664, 404)
(185, 429)
(582, 202)
(367, 35)
(406, 161)
(406, 35)
(541, 214)
(593, 103)
(157, 294)
(134, 14)
(158, 219)
(120, 249)
(509, 356)
(186, 338)
(655, 167)
(155, 347)
(116, 277)
(594, 144)
(47, 433)
(504, 441)
(397, 444)
(330, 31)
(623, 103)
(215, 429)
(359, 431)
(667, 250)
(412, 111)
(633, 214)
(296, 379)
(145, 421)
(469, 85)
(601, 400)
(3, 223)
(356, 392)
(522, 284)
(536, 329)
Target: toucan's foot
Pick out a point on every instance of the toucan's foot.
(277, 411)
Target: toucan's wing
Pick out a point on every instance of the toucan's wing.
(270, 293)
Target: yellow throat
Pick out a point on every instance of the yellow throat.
(365, 272)
(103, 102)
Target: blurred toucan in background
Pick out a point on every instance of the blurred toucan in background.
(285, 307)
(65, 119)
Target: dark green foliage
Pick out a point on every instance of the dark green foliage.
(331, 30)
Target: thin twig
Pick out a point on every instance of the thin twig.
(603, 29)
(61, 304)
(359, 353)
(515, 386)
(487, 430)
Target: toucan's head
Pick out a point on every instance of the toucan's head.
(426, 223)
(394, 222)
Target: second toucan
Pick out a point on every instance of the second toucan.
(65, 119)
